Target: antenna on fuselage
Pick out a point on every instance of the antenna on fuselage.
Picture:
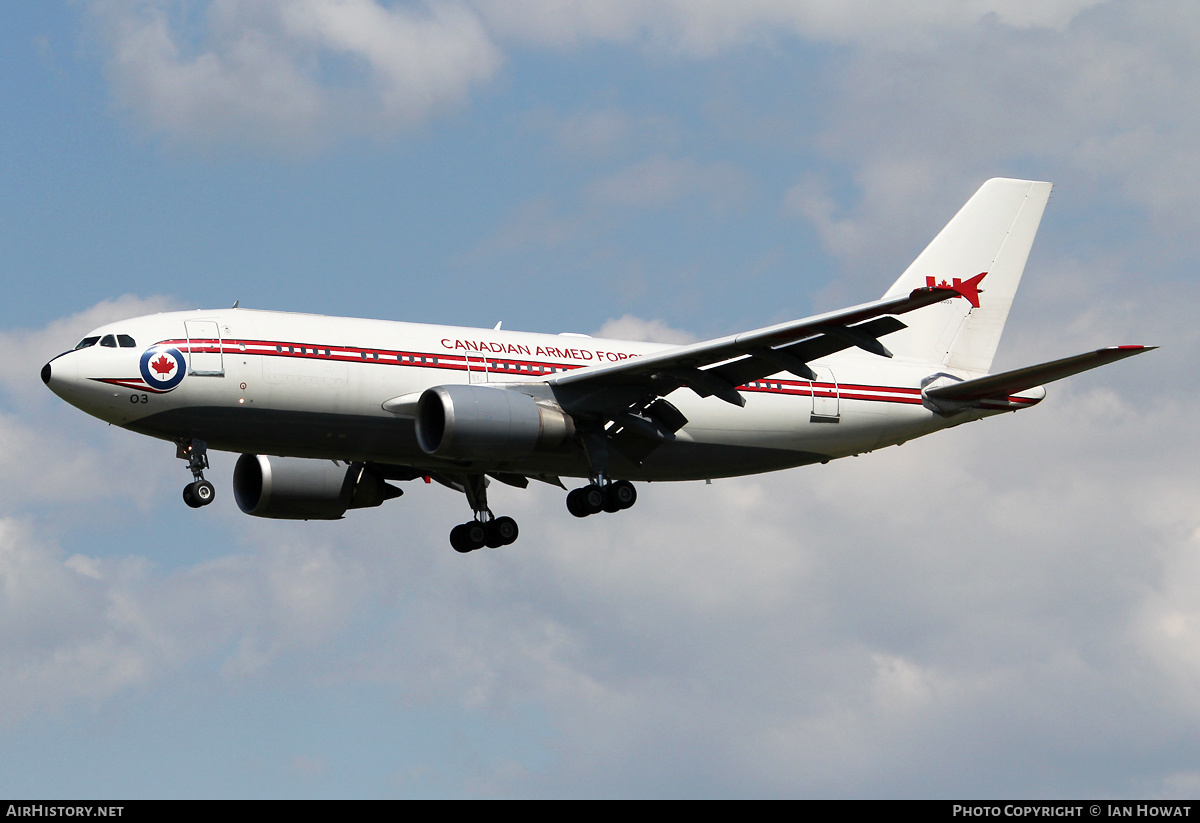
(235, 303)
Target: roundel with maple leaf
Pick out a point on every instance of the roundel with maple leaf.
(162, 367)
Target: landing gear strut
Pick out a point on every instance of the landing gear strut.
(199, 492)
(486, 529)
(601, 496)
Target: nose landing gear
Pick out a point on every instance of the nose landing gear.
(199, 492)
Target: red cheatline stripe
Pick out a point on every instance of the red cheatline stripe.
(892, 389)
(504, 365)
(391, 357)
(135, 383)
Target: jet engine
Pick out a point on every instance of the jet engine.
(480, 422)
(294, 488)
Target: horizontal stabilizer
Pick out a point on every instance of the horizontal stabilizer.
(1010, 382)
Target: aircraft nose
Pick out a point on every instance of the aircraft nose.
(58, 375)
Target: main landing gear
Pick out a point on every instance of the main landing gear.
(603, 496)
(486, 529)
(493, 533)
(199, 492)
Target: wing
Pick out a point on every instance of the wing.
(717, 367)
(631, 393)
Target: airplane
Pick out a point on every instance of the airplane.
(325, 411)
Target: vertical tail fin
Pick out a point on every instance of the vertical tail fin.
(990, 235)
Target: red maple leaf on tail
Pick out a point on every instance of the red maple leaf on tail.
(163, 365)
(966, 288)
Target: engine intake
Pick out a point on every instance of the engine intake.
(479, 422)
(293, 488)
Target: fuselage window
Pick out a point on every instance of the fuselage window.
(108, 341)
(126, 341)
(86, 342)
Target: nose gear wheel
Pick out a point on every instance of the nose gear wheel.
(199, 492)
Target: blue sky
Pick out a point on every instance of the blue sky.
(1010, 609)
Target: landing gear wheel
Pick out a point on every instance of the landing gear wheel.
(491, 538)
(621, 493)
(468, 537)
(458, 539)
(593, 498)
(199, 492)
(611, 504)
(501, 532)
(204, 492)
(587, 500)
(576, 505)
(486, 529)
(475, 534)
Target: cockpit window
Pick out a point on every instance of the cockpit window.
(126, 341)
(87, 341)
(109, 341)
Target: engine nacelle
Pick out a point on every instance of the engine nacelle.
(294, 488)
(480, 422)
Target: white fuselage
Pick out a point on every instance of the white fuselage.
(313, 386)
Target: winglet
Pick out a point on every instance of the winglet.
(965, 288)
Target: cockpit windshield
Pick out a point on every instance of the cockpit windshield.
(112, 341)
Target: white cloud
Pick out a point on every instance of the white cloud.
(290, 74)
(702, 28)
(658, 182)
(968, 613)
(629, 327)
(51, 452)
(295, 74)
(71, 630)
(603, 132)
(1008, 608)
(970, 89)
(1101, 104)
(536, 224)
(27, 350)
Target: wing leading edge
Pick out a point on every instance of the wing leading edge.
(632, 394)
(717, 367)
